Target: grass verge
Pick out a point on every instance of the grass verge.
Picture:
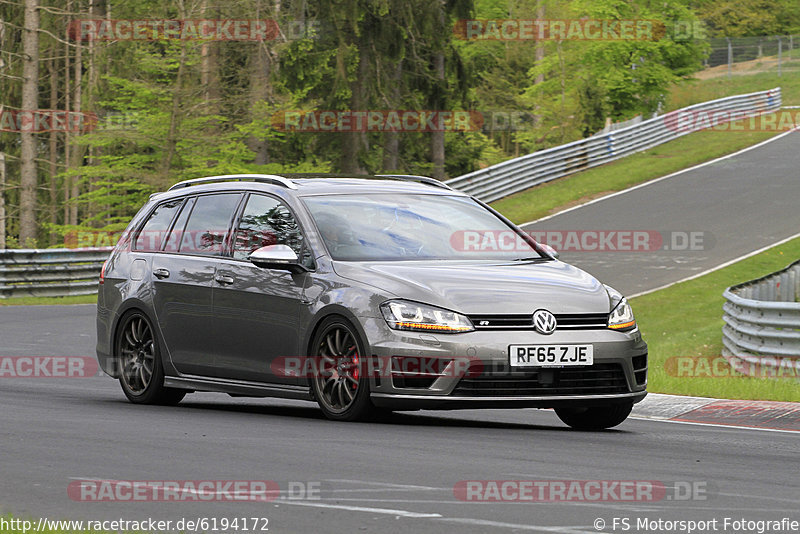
(686, 320)
(31, 301)
(694, 91)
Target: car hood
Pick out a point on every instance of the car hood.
(485, 287)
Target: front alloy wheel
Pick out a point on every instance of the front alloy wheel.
(340, 381)
(141, 374)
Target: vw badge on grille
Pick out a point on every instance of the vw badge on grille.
(544, 322)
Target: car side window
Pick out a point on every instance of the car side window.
(267, 221)
(208, 224)
(152, 235)
(175, 236)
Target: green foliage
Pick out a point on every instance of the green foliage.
(172, 110)
(745, 18)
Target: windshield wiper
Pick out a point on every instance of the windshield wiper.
(533, 258)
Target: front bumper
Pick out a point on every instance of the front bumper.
(617, 375)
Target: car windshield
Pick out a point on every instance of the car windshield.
(395, 227)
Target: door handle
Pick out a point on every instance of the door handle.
(225, 280)
(161, 273)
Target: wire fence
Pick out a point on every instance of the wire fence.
(749, 55)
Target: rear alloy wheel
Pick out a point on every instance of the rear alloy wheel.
(596, 417)
(141, 373)
(340, 382)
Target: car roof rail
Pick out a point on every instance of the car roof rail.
(415, 178)
(265, 178)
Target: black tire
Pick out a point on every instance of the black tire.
(340, 382)
(141, 373)
(596, 417)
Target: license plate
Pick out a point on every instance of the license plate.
(550, 355)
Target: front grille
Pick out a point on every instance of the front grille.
(595, 379)
(564, 321)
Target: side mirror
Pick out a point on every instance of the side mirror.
(276, 257)
(550, 250)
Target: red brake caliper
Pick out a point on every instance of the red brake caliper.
(356, 370)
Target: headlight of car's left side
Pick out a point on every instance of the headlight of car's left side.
(407, 315)
(621, 317)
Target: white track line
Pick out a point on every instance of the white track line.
(718, 267)
(387, 511)
(439, 517)
(656, 180)
(516, 526)
(383, 484)
(716, 425)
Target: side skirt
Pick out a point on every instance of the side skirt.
(238, 387)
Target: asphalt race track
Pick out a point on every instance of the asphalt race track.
(729, 208)
(399, 475)
(394, 476)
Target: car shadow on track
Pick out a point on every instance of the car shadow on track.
(405, 419)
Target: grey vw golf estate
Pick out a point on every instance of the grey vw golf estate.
(364, 294)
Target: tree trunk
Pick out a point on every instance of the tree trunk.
(67, 103)
(2, 200)
(540, 14)
(353, 141)
(53, 146)
(261, 64)
(172, 139)
(77, 152)
(437, 137)
(88, 103)
(209, 67)
(391, 140)
(30, 103)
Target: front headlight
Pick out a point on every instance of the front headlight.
(621, 317)
(405, 315)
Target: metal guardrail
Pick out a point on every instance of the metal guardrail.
(518, 174)
(54, 272)
(761, 335)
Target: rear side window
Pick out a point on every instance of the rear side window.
(154, 231)
(175, 236)
(208, 224)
